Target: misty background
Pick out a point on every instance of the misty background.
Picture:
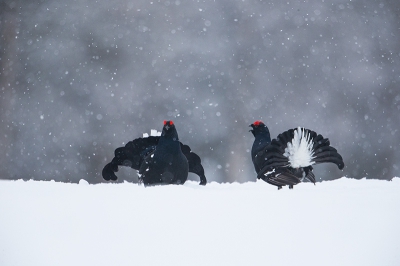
(81, 78)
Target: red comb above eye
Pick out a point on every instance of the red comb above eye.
(169, 122)
(258, 122)
(165, 122)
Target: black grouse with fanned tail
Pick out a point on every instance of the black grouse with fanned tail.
(160, 160)
(288, 159)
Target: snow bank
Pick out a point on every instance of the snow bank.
(341, 222)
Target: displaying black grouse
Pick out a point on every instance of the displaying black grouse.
(287, 159)
(160, 160)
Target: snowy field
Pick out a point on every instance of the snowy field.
(341, 222)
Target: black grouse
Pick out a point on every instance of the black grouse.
(160, 160)
(287, 159)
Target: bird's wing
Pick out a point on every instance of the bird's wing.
(132, 155)
(279, 177)
(194, 163)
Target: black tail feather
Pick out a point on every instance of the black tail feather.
(285, 137)
(328, 154)
(324, 149)
(336, 160)
(320, 141)
(195, 165)
(309, 174)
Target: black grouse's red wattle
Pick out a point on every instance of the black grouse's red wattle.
(288, 159)
(158, 159)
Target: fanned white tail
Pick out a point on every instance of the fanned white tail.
(300, 151)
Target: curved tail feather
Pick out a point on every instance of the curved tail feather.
(336, 160)
(195, 165)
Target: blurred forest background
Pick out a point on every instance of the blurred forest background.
(81, 78)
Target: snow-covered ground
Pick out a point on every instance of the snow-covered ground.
(341, 222)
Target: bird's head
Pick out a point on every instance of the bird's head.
(169, 130)
(168, 124)
(258, 127)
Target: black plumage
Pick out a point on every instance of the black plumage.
(158, 159)
(288, 159)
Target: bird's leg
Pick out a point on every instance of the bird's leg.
(140, 180)
(290, 186)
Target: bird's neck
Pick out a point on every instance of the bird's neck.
(261, 140)
(170, 140)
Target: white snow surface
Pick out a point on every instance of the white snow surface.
(340, 222)
(299, 150)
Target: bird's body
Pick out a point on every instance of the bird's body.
(262, 140)
(166, 164)
(159, 160)
(288, 159)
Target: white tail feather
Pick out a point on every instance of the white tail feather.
(300, 150)
(153, 133)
